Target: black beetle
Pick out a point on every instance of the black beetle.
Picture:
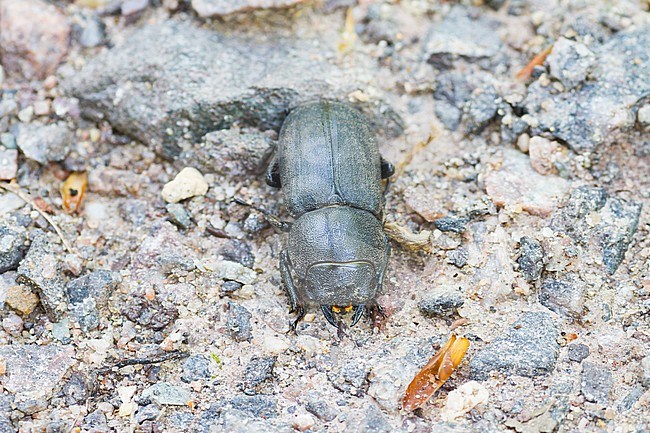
(330, 171)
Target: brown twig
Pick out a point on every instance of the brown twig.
(14, 188)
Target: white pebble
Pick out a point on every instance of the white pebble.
(188, 183)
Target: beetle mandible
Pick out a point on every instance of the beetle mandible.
(330, 171)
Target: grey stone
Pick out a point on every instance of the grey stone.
(238, 251)
(596, 383)
(320, 409)
(147, 413)
(570, 62)
(351, 378)
(13, 325)
(13, 246)
(256, 405)
(196, 367)
(451, 93)
(172, 81)
(228, 287)
(166, 394)
(8, 140)
(34, 372)
(8, 107)
(239, 153)
(44, 143)
(178, 215)
(480, 109)
(41, 270)
(531, 259)
(219, 8)
(630, 398)
(258, 370)
(76, 389)
(604, 107)
(87, 294)
(150, 314)
(375, 421)
(458, 257)
(563, 295)
(582, 201)
(577, 352)
(5, 410)
(619, 223)
(239, 322)
(462, 36)
(528, 348)
(441, 301)
(133, 7)
(96, 422)
(91, 32)
(451, 224)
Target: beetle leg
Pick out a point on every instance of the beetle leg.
(329, 315)
(358, 313)
(387, 169)
(289, 286)
(294, 325)
(273, 174)
(283, 226)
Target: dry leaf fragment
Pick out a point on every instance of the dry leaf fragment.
(73, 190)
(433, 375)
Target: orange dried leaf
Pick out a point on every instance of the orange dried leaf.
(570, 337)
(538, 60)
(73, 190)
(435, 373)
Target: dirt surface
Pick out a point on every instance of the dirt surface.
(159, 305)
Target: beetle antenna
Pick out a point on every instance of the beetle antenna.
(272, 219)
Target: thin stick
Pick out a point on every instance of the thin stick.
(14, 188)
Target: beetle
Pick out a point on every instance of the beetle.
(329, 169)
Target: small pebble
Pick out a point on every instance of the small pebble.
(8, 140)
(13, 325)
(21, 299)
(8, 163)
(188, 183)
(26, 114)
(179, 216)
(42, 108)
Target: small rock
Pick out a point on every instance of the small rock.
(88, 293)
(8, 107)
(274, 344)
(258, 370)
(542, 155)
(13, 246)
(26, 114)
(44, 143)
(76, 389)
(564, 296)
(8, 140)
(188, 183)
(133, 7)
(91, 32)
(33, 372)
(516, 184)
(451, 93)
(256, 405)
(179, 216)
(229, 287)
(463, 399)
(451, 224)
(441, 301)
(13, 325)
(147, 413)
(8, 164)
(196, 367)
(34, 37)
(645, 365)
(166, 394)
(375, 421)
(459, 36)
(531, 259)
(96, 422)
(350, 378)
(238, 251)
(480, 109)
(577, 352)
(582, 201)
(42, 108)
(458, 257)
(40, 269)
(596, 383)
(6, 426)
(21, 299)
(150, 314)
(528, 348)
(620, 219)
(239, 322)
(321, 410)
(228, 270)
(643, 115)
(570, 62)
(219, 8)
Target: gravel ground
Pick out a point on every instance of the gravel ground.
(158, 306)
